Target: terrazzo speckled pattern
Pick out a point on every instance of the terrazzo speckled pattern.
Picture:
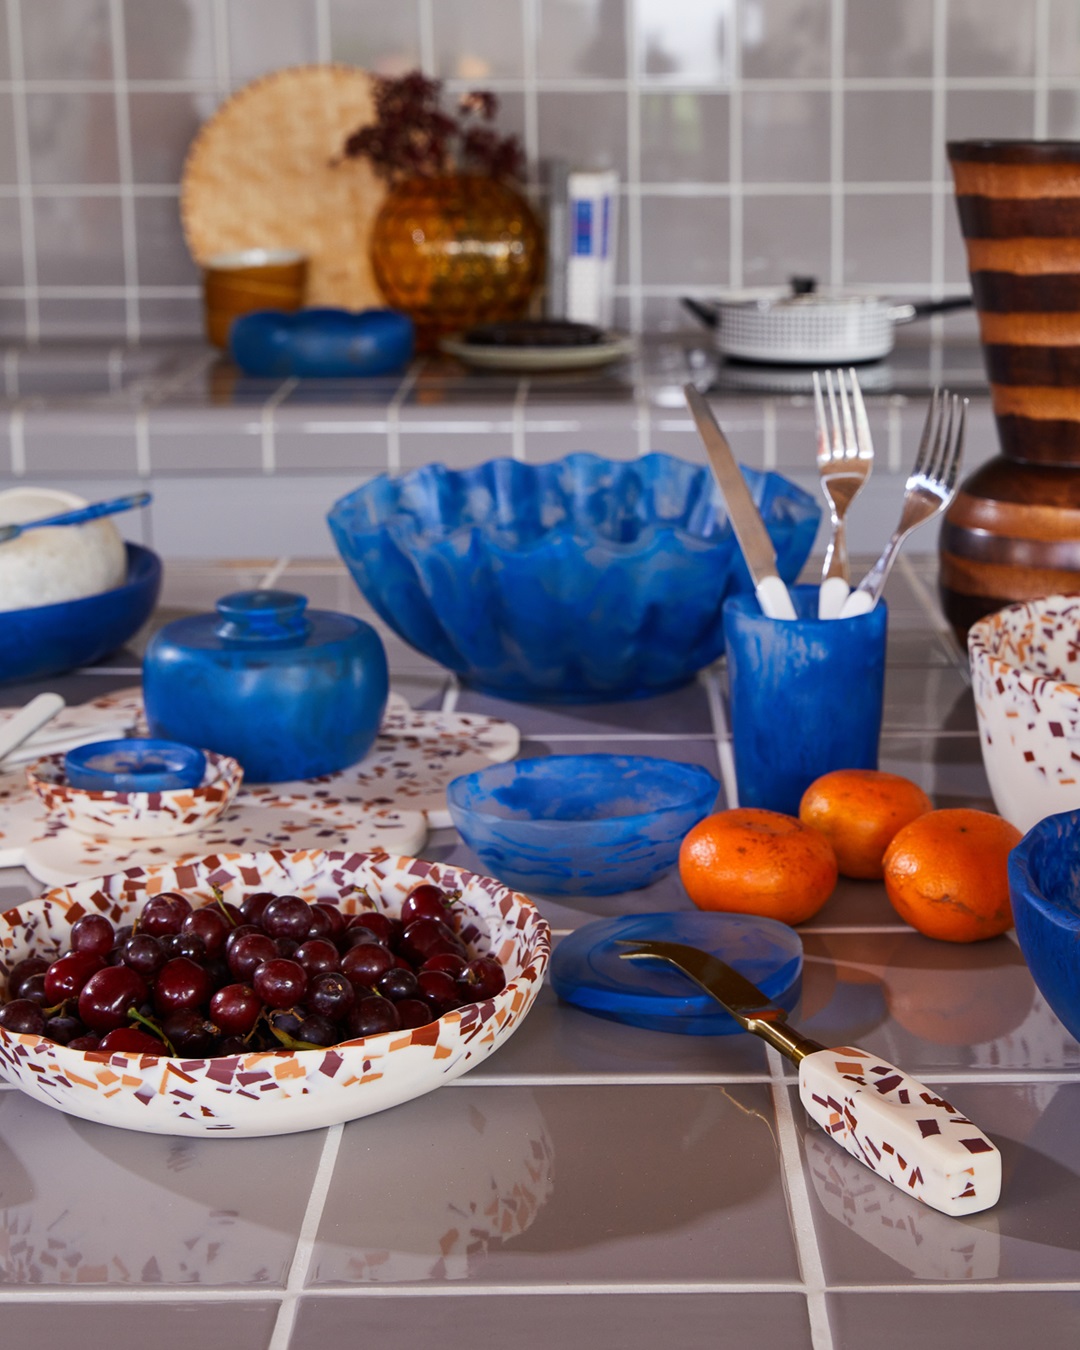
(1025, 671)
(593, 1183)
(284, 1091)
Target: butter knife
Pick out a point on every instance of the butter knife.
(901, 1129)
(757, 548)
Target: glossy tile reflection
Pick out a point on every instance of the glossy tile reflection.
(84, 1204)
(525, 1186)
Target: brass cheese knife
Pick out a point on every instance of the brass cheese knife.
(901, 1129)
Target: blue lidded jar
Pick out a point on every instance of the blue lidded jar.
(289, 692)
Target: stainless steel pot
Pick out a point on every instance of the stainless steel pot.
(799, 325)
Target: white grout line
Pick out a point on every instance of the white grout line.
(393, 419)
(126, 171)
(801, 1213)
(721, 735)
(21, 137)
(270, 579)
(305, 1243)
(518, 434)
(17, 442)
(269, 457)
(425, 19)
(1041, 22)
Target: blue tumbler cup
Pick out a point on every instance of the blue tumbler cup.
(805, 696)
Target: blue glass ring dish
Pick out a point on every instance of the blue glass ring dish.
(580, 824)
(588, 971)
(1044, 886)
(581, 580)
(53, 639)
(134, 765)
(321, 343)
(290, 692)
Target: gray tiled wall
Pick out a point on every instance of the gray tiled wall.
(754, 138)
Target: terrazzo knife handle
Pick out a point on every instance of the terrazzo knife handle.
(901, 1129)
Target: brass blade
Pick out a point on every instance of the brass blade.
(752, 1010)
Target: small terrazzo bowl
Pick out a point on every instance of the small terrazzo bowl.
(1025, 675)
(1044, 885)
(284, 1091)
(135, 815)
(574, 581)
(580, 824)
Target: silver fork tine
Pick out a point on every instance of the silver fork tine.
(850, 448)
(822, 425)
(953, 470)
(862, 422)
(927, 434)
(837, 443)
(929, 490)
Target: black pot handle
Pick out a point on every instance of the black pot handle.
(921, 309)
(701, 310)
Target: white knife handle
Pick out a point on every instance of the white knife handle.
(775, 598)
(831, 596)
(901, 1129)
(30, 718)
(858, 602)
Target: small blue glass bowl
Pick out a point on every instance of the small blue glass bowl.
(134, 765)
(580, 824)
(1044, 885)
(53, 639)
(582, 580)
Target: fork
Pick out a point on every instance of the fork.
(930, 488)
(845, 456)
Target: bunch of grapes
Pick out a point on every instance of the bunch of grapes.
(271, 972)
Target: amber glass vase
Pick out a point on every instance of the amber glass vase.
(1013, 530)
(456, 250)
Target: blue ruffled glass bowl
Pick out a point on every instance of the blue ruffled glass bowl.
(1044, 885)
(580, 824)
(581, 580)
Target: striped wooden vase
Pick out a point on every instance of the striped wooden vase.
(1013, 530)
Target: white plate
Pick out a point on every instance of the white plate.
(487, 357)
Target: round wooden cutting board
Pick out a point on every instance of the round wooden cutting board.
(266, 172)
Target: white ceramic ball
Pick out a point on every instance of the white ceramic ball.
(58, 562)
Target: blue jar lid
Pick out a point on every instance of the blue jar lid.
(587, 970)
(250, 618)
(134, 765)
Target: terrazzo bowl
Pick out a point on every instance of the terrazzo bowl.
(1025, 675)
(1044, 885)
(135, 815)
(285, 1091)
(52, 639)
(579, 580)
(580, 824)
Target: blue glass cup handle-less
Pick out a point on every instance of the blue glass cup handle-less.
(805, 696)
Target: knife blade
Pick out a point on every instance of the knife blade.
(899, 1128)
(757, 548)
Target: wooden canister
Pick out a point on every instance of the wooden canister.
(250, 280)
(1013, 531)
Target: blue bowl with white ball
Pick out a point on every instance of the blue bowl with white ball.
(580, 824)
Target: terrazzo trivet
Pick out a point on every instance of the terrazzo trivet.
(389, 800)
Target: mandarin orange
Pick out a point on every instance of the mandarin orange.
(859, 811)
(750, 861)
(946, 874)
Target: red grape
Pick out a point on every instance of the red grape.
(67, 975)
(235, 1009)
(280, 983)
(108, 996)
(92, 933)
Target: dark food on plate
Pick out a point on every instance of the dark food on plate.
(535, 333)
(273, 973)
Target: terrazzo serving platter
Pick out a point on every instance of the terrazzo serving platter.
(388, 801)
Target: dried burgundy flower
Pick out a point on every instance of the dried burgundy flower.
(412, 136)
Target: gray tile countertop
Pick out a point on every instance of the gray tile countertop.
(631, 1187)
(102, 421)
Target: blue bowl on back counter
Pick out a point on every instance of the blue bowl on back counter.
(581, 580)
(48, 640)
(580, 824)
(1044, 886)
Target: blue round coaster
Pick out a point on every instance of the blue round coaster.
(587, 971)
